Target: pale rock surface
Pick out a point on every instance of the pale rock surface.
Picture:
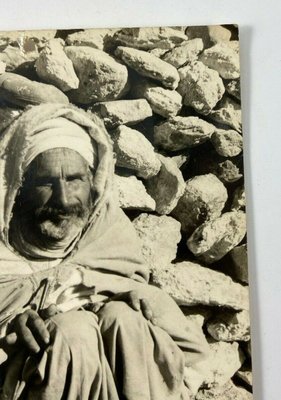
(2, 67)
(135, 152)
(233, 88)
(54, 67)
(215, 371)
(234, 45)
(246, 375)
(201, 87)
(209, 34)
(228, 143)
(214, 239)
(148, 65)
(21, 91)
(95, 38)
(239, 199)
(228, 112)
(222, 59)
(153, 231)
(15, 57)
(227, 392)
(192, 284)
(23, 38)
(240, 262)
(178, 133)
(119, 112)
(167, 186)
(163, 101)
(101, 77)
(230, 327)
(186, 52)
(158, 52)
(228, 172)
(150, 38)
(132, 194)
(203, 199)
(181, 159)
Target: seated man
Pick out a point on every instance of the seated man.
(78, 319)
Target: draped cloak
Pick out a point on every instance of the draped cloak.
(106, 260)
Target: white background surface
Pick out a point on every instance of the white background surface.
(260, 38)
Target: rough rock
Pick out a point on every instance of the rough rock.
(203, 199)
(178, 133)
(201, 87)
(128, 112)
(153, 231)
(185, 53)
(228, 171)
(181, 159)
(164, 102)
(245, 375)
(167, 186)
(135, 152)
(132, 193)
(214, 239)
(233, 88)
(215, 371)
(234, 45)
(2, 67)
(240, 263)
(158, 52)
(222, 59)
(230, 327)
(192, 284)
(228, 112)
(26, 38)
(95, 38)
(239, 199)
(15, 58)
(101, 77)
(150, 38)
(227, 392)
(209, 34)
(18, 90)
(53, 66)
(228, 143)
(148, 65)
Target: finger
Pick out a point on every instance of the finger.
(146, 309)
(11, 339)
(134, 300)
(39, 329)
(26, 336)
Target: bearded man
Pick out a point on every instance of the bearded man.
(78, 319)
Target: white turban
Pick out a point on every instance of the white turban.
(60, 132)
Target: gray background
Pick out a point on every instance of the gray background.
(260, 37)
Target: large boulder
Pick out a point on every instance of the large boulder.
(192, 284)
(240, 263)
(122, 112)
(203, 199)
(228, 112)
(201, 87)
(185, 53)
(222, 59)
(210, 35)
(135, 152)
(16, 59)
(153, 231)
(233, 88)
(96, 38)
(167, 186)
(101, 77)
(178, 133)
(228, 143)
(214, 239)
(229, 391)
(132, 194)
(53, 66)
(148, 65)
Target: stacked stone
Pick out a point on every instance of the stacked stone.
(170, 100)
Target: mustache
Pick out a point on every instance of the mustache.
(53, 212)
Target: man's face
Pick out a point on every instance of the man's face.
(56, 195)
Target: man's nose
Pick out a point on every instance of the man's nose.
(61, 195)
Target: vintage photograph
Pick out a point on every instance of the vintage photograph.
(123, 250)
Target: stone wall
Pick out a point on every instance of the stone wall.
(170, 99)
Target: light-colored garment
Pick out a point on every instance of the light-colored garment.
(104, 261)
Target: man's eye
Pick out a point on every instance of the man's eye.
(43, 182)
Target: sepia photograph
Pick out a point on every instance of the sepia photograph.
(123, 238)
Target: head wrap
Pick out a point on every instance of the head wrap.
(60, 132)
